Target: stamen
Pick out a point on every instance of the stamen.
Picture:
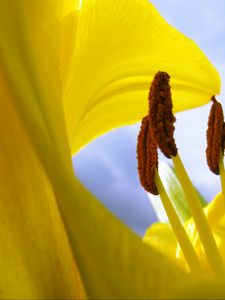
(157, 131)
(162, 119)
(161, 115)
(222, 174)
(215, 136)
(206, 236)
(182, 237)
(216, 142)
(147, 157)
(216, 212)
(147, 168)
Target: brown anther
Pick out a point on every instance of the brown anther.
(161, 115)
(147, 157)
(223, 138)
(215, 136)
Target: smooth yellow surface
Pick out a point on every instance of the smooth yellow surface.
(103, 84)
(113, 261)
(65, 7)
(120, 45)
(35, 257)
(30, 65)
(201, 289)
(161, 236)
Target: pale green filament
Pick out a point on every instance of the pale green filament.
(212, 252)
(182, 237)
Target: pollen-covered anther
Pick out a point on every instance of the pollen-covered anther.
(215, 136)
(223, 138)
(147, 157)
(161, 115)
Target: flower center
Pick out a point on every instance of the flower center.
(157, 131)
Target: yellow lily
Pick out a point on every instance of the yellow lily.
(69, 71)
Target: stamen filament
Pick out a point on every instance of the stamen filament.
(222, 174)
(215, 213)
(212, 252)
(182, 237)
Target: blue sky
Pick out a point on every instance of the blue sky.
(108, 165)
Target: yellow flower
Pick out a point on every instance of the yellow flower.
(69, 71)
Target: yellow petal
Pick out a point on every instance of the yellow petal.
(112, 261)
(64, 7)
(161, 237)
(35, 257)
(120, 44)
(30, 61)
(69, 27)
(200, 289)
